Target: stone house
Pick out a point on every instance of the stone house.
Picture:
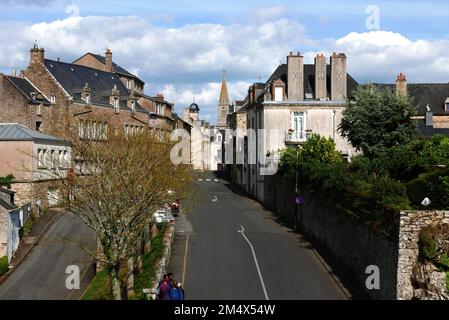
(36, 160)
(53, 96)
(431, 100)
(298, 99)
(9, 224)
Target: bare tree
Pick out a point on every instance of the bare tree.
(120, 179)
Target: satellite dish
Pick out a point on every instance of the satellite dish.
(426, 202)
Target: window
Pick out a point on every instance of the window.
(219, 138)
(40, 158)
(45, 161)
(278, 94)
(61, 162)
(133, 106)
(87, 98)
(53, 99)
(52, 159)
(39, 109)
(38, 125)
(299, 126)
(129, 84)
(446, 106)
(66, 159)
(117, 105)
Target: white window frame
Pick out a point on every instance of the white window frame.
(299, 136)
(278, 94)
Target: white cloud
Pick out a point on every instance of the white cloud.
(381, 55)
(187, 60)
(191, 54)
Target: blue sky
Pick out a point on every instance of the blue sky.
(179, 47)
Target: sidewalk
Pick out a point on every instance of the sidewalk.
(39, 228)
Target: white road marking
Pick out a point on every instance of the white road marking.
(216, 180)
(215, 199)
(200, 180)
(242, 231)
(208, 180)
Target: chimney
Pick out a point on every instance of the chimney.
(320, 77)
(339, 77)
(401, 84)
(295, 65)
(160, 97)
(37, 55)
(108, 61)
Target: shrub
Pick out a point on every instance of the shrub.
(4, 265)
(6, 181)
(431, 185)
(390, 193)
(434, 246)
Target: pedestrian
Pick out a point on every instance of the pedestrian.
(175, 292)
(170, 279)
(164, 289)
(181, 291)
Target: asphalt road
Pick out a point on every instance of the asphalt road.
(42, 275)
(219, 263)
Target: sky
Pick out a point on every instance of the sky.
(180, 47)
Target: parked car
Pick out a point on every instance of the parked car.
(163, 216)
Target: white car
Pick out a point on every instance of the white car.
(163, 216)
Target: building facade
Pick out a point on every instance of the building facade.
(298, 99)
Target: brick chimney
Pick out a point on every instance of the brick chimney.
(320, 77)
(401, 84)
(295, 84)
(37, 55)
(108, 61)
(339, 77)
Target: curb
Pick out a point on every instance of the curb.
(38, 238)
(163, 263)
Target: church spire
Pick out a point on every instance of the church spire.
(224, 96)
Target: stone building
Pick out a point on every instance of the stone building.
(52, 96)
(205, 140)
(298, 99)
(432, 103)
(36, 160)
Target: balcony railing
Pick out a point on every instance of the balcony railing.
(295, 137)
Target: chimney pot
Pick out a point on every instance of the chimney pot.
(108, 61)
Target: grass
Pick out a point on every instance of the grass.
(4, 265)
(100, 287)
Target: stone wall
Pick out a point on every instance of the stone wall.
(353, 245)
(412, 222)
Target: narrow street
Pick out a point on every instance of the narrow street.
(41, 276)
(213, 252)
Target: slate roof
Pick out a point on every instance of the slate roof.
(429, 131)
(117, 69)
(28, 90)
(432, 94)
(18, 132)
(74, 77)
(309, 79)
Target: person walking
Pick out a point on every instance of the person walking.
(181, 291)
(164, 289)
(175, 292)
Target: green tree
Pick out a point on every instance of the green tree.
(6, 181)
(378, 119)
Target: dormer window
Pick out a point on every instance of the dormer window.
(87, 98)
(133, 106)
(278, 90)
(116, 103)
(446, 105)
